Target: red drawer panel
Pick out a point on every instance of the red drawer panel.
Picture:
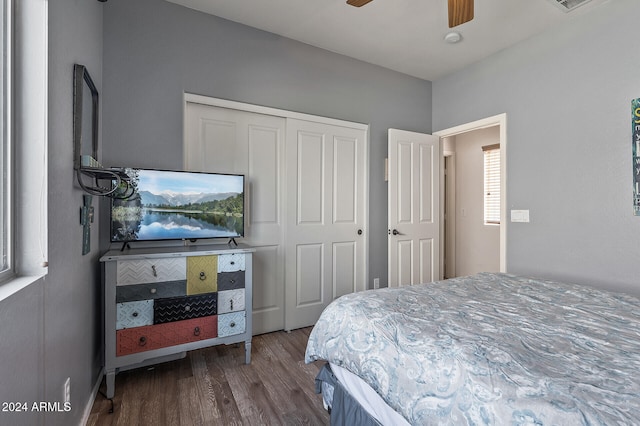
(150, 337)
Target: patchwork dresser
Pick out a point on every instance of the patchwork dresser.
(161, 302)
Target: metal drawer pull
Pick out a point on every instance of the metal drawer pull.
(232, 281)
(142, 341)
(231, 301)
(135, 314)
(233, 324)
(153, 268)
(233, 263)
(196, 331)
(187, 308)
(203, 276)
(153, 291)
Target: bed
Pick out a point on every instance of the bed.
(491, 348)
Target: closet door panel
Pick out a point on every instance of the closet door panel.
(233, 141)
(325, 223)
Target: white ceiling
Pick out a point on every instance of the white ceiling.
(402, 35)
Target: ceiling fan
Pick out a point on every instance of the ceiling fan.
(460, 11)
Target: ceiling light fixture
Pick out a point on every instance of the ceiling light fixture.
(453, 37)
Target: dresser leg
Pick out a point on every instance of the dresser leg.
(111, 383)
(247, 352)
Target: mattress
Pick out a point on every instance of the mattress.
(490, 349)
(368, 399)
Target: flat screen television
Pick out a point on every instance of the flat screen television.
(177, 205)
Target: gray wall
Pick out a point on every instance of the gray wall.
(154, 51)
(50, 329)
(567, 95)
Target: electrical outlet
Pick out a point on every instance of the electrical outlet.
(67, 390)
(376, 283)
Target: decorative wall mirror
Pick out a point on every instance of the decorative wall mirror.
(85, 138)
(85, 116)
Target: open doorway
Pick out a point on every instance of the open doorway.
(468, 243)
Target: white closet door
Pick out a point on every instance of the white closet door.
(325, 235)
(231, 141)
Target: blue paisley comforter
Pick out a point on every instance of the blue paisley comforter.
(490, 349)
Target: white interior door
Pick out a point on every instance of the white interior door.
(414, 208)
(326, 239)
(231, 141)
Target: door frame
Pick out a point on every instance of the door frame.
(496, 120)
(448, 235)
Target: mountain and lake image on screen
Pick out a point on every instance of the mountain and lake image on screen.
(176, 205)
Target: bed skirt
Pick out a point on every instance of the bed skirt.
(343, 408)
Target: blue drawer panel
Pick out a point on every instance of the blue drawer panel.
(230, 324)
(231, 262)
(134, 314)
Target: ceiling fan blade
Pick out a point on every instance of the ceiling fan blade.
(358, 3)
(460, 11)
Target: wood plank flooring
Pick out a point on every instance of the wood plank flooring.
(213, 386)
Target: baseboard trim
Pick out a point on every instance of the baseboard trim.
(94, 394)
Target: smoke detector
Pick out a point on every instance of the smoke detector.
(568, 5)
(453, 37)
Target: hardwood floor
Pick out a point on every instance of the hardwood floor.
(213, 386)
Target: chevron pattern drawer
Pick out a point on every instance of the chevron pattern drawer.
(186, 307)
(202, 274)
(230, 324)
(151, 270)
(231, 262)
(129, 293)
(230, 280)
(230, 301)
(140, 339)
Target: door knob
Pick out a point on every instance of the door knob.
(359, 231)
(395, 232)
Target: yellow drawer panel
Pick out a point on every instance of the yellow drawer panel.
(202, 274)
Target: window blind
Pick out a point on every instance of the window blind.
(491, 184)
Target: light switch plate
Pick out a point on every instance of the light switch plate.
(519, 215)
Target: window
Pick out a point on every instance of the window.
(491, 184)
(23, 136)
(6, 263)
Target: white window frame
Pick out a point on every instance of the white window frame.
(491, 174)
(27, 120)
(6, 171)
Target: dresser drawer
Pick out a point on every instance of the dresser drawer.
(151, 270)
(230, 301)
(140, 339)
(230, 324)
(185, 307)
(231, 262)
(134, 314)
(230, 280)
(129, 293)
(202, 274)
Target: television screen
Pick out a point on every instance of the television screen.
(177, 205)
